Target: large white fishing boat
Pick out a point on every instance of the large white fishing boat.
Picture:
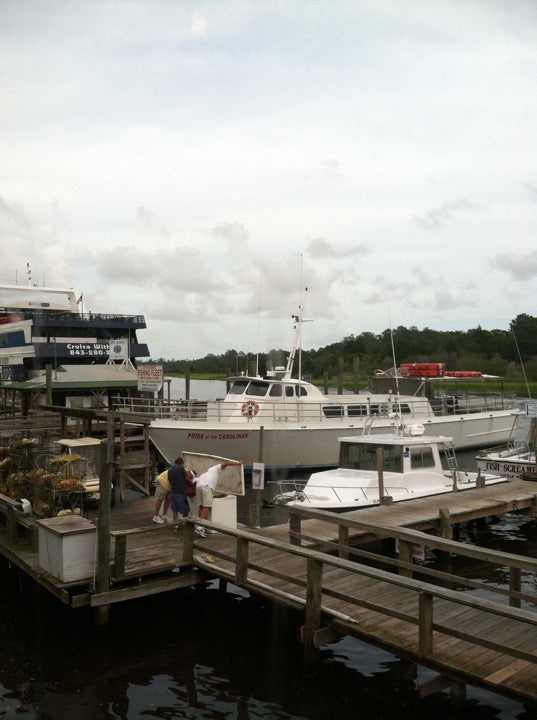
(46, 339)
(288, 423)
(376, 469)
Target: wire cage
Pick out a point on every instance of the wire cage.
(20, 455)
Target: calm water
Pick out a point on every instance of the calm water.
(209, 654)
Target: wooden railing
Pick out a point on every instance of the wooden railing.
(409, 542)
(341, 607)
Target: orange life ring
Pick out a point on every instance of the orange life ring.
(250, 408)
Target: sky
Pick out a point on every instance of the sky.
(215, 165)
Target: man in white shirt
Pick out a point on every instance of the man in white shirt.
(205, 486)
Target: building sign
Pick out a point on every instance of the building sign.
(150, 378)
(119, 349)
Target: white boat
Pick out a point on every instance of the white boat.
(516, 459)
(288, 423)
(47, 338)
(410, 467)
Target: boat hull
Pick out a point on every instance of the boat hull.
(514, 467)
(286, 445)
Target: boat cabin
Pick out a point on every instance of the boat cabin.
(275, 390)
(400, 454)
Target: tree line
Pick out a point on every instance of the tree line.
(510, 353)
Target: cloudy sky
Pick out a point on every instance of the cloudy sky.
(202, 163)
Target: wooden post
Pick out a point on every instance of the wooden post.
(444, 523)
(241, 562)
(380, 471)
(294, 528)
(325, 382)
(147, 478)
(102, 576)
(343, 541)
(425, 624)
(445, 529)
(405, 555)
(187, 384)
(121, 456)
(340, 376)
(254, 515)
(11, 527)
(188, 542)
(356, 374)
(514, 586)
(457, 694)
(48, 380)
(120, 556)
(314, 584)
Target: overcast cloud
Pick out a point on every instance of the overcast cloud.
(202, 163)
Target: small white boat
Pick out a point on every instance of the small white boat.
(377, 469)
(516, 459)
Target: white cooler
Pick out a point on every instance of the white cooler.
(67, 547)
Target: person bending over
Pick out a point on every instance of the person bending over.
(205, 486)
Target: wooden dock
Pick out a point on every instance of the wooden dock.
(319, 565)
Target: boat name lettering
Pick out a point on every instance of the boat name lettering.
(513, 468)
(100, 349)
(510, 468)
(215, 436)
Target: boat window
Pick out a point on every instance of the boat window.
(421, 458)
(238, 387)
(331, 411)
(301, 390)
(276, 391)
(257, 388)
(289, 391)
(404, 409)
(357, 410)
(360, 456)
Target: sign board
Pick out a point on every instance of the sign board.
(231, 479)
(150, 378)
(258, 476)
(119, 349)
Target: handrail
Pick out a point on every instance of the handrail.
(314, 589)
(295, 411)
(415, 537)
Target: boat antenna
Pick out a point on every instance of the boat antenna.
(259, 317)
(521, 363)
(393, 355)
(297, 340)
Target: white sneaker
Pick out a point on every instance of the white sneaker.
(200, 531)
(158, 519)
